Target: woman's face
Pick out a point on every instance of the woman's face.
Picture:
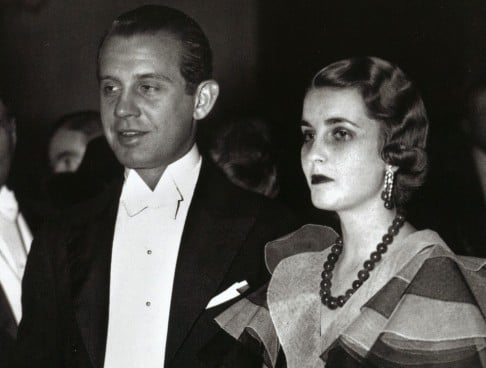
(340, 155)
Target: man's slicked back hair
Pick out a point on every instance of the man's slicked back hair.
(196, 59)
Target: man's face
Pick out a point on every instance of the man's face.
(7, 143)
(66, 150)
(147, 115)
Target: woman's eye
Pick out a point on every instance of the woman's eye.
(307, 136)
(341, 134)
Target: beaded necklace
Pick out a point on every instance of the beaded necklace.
(326, 276)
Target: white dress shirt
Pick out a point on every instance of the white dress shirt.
(148, 233)
(15, 240)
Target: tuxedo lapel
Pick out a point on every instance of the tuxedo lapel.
(89, 261)
(212, 237)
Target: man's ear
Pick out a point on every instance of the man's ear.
(206, 94)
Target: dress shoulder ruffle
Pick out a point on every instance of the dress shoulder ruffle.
(252, 317)
(309, 238)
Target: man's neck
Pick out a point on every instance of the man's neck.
(151, 176)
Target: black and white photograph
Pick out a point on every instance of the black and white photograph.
(242, 184)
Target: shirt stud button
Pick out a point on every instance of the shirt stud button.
(147, 304)
(149, 252)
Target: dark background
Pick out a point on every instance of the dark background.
(265, 53)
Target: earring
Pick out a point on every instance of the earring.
(386, 195)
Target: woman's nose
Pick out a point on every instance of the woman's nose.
(315, 152)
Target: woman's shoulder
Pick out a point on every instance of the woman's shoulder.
(426, 247)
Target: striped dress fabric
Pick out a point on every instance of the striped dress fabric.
(423, 306)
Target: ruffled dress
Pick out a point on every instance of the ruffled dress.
(422, 306)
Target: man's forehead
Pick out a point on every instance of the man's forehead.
(144, 54)
(156, 41)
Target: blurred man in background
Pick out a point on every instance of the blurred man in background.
(474, 126)
(456, 192)
(70, 137)
(469, 179)
(243, 148)
(15, 239)
(80, 161)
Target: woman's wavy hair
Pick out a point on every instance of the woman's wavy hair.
(392, 99)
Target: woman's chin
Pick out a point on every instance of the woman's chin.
(323, 204)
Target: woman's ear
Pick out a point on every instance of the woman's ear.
(206, 94)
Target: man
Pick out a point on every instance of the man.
(135, 277)
(454, 200)
(15, 239)
(466, 179)
(81, 162)
(474, 126)
(70, 137)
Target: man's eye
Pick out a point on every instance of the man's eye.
(109, 89)
(148, 88)
(341, 134)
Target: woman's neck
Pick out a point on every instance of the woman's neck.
(362, 229)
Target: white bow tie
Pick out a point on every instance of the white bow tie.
(137, 203)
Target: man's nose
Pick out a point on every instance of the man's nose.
(126, 105)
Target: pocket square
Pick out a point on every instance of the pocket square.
(232, 292)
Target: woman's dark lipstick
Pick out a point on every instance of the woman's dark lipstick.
(319, 179)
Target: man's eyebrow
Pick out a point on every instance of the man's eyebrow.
(161, 77)
(304, 123)
(106, 77)
(155, 76)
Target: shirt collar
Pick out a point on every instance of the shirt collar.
(176, 183)
(8, 204)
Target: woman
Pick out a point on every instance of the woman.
(382, 294)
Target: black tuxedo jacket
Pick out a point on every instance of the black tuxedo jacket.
(8, 331)
(66, 284)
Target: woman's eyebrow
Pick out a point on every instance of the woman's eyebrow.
(338, 119)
